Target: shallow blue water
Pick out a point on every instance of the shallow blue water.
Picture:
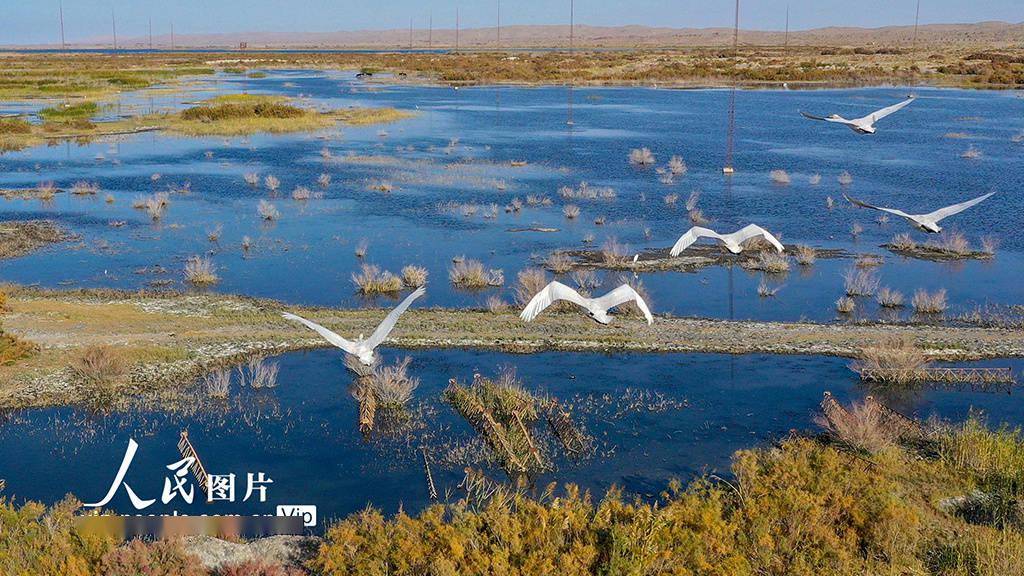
(304, 435)
(307, 256)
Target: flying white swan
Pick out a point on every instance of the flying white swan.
(363, 349)
(865, 125)
(925, 222)
(734, 242)
(597, 308)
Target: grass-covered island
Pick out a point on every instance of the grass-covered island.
(226, 115)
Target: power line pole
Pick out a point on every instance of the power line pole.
(410, 33)
(150, 32)
(917, 19)
(499, 24)
(728, 169)
(172, 35)
(736, 28)
(456, 28)
(785, 44)
(113, 26)
(61, 12)
(430, 34)
(572, 26)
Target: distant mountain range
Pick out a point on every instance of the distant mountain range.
(982, 33)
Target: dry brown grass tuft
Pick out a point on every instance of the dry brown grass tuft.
(217, 383)
(83, 188)
(860, 282)
(372, 280)
(903, 242)
(529, 282)
(613, 252)
(845, 178)
(863, 428)
(846, 305)
(888, 298)
(641, 157)
(779, 177)
(868, 261)
(951, 242)
(414, 276)
(496, 305)
(267, 211)
(558, 262)
(697, 217)
(201, 271)
(989, 245)
(805, 255)
(893, 361)
(272, 183)
(252, 179)
(258, 373)
(472, 274)
(571, 211)
(392, 386)
(100, 364)
(770, 262)
(925, 302)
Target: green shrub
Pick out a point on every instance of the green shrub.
(83, 110)
(38, 541)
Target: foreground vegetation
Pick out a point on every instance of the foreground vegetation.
(947, 504)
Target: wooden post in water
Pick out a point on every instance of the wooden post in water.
(198, 470)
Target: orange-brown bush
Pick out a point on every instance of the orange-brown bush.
(158, 558)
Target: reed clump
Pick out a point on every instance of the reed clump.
(100, 364)
(257, 373)
(472, 274)
(614, 252)
(414, 276)
(895, 361)
(641, 157)
(201, 271)
(889, 298)
(925, 302)
(372, 280)
(529, 282)
(769, 262)
(805, 255)
(559, 262)
(860, 282)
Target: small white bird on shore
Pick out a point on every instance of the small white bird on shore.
(925, 222)
(733, 242)
(362, 349)
(865, 125)
(597, 308)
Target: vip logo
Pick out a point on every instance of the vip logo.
(308, 513)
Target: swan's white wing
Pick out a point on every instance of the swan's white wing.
(327, 334)
(899, 213)
(956, 208)
(690, 237)
(621, 295)
(388, 324)
(837, 119)
(752, 231)
(549, 295)
(876, 116)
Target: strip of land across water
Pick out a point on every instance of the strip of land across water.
(170, 338)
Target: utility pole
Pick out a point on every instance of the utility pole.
(410, 33)
(456, 28)
(172, 35)
(572, 25)
(785, 44)
(499, 24)
(60, 7)
(917, 19)
(728, 169)
(430, 34)
(113, 26)
(150, 32)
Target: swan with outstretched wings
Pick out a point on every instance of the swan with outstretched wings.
(362, 348)
(733, 242)
(866, 124)
(597, 308)
(925, 222)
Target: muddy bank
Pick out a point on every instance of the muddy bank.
(693, 258)
(170, 338)
(21, 237)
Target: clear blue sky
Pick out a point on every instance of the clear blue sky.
(35, 21)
